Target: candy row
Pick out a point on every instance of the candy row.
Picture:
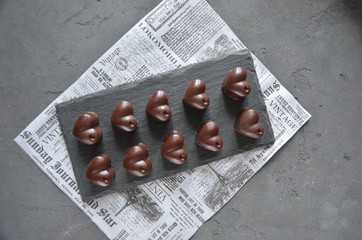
(234, 85)
(138, 163)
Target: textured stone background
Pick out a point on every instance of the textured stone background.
(311, 189)
(183, 119)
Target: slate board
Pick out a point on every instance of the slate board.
(115, 143)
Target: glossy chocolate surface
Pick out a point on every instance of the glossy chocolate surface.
(86, 128)
(137, 161)
(172, 148)
(123, 118)
(99, 170)
(195, 95)
(157, 106)
(235, 85)
(247, 124)
(207, 136)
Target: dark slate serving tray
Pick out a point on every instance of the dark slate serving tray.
(115, 143)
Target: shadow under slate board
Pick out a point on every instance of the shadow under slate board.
(115, 143)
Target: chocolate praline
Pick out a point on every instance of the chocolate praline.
(172, 148)
(99, 170)
(157, 106)
(123, 118)
(235, 85)
(137, 161)
(195, 96)
(86, 128)
(247, 124)
(208, 136)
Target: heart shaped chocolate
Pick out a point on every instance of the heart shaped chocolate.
(235, 85)
(86, 129)
(137, 161)
(207, 136)
(157, 106)
(195, 95)
(172, 148)
(99, 170)
(247, 124)
(123, 118)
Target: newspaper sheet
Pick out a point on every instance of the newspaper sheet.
(174, 34)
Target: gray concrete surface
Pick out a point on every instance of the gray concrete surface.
(311, 189)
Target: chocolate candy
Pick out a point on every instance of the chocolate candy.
(157, 106)
(172, 148)
(195, 95)
(247, 124)
(207, 136)
(137, 161)
(86, 128)
(123, 118)
(99, 170)
(235, 84)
